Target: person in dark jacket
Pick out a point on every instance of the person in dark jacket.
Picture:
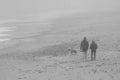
(93, 47)
(84, 47)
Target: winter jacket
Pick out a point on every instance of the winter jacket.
(84, 45)
(93, 46)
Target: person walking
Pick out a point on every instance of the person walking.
(93, 47)
(84, 47)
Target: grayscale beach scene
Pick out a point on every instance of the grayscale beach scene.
(60, 40)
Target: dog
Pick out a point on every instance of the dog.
(72, 51)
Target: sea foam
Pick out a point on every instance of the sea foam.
(5, 33)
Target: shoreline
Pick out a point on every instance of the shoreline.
(5, 33)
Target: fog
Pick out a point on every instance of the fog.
(12, 9)
(27, 10)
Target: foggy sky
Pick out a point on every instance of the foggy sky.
(12, 9)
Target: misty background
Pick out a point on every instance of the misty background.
(40, 10)
(13, 9)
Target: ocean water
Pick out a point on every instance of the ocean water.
(5, 33)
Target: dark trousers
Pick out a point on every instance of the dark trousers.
(93, 55)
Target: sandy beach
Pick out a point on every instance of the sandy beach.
(35, 55)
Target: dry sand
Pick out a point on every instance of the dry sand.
(36, 55)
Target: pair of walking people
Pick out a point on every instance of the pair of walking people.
(85, 46)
